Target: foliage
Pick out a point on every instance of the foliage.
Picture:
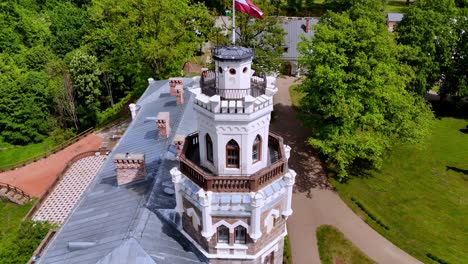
(357, 87)
(84, 73)
(266, 36)
(114, 112)
(344, 5)
(287, 257)
(335, 248)
(22, 244)
(433, 30)
(420, 192)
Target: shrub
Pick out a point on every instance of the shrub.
(287, 257)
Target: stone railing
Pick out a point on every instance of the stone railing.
(252, 183)
(14, 190)
(209, 87)
(247, 105)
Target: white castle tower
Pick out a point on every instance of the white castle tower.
(234, 187)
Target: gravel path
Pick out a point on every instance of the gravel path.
(314, 203)
(35, 177)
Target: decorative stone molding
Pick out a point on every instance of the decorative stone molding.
(287, 151)
(231, 226)
(130, 167)
(204, 199)
(273, 214)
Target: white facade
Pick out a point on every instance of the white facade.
(234, 74)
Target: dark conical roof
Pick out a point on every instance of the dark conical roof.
(232, 53)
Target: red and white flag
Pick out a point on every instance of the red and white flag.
(245, 6)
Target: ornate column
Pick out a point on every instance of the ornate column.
(256, 227)
(289, 178)
(177, 180)
(204, 198)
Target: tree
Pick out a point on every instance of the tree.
(266, 36)
(355, 91)
(84, 73)
(343, 5)
(427, 30)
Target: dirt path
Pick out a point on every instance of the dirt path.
(35, 177)
(314, 203)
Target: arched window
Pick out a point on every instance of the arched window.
(256, 149)
(209, 148)
(232, 154)
(223, 234)
(240, 233)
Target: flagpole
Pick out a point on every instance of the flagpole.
(233, 23)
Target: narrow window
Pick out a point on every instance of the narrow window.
(232, 154)
(256, 148)
(209, 148)
(223, 234)
(240, 235)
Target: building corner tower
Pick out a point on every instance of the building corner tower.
(233, 186)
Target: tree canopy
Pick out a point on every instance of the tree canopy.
(434, 31)
(355, 91)
(63, 62)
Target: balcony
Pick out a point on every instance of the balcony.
(190, 167)
(209, 87)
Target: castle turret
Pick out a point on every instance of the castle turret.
(233, 187)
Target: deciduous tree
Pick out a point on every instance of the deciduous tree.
(355, 91)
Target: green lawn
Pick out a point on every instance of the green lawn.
(421, 194)
(10, 154)
(10, 218)
(335, 248)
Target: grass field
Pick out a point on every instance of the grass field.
(10, 154)
(335, 248)
(421, 194)
(10, 218)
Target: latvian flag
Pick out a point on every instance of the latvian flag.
(245, 6)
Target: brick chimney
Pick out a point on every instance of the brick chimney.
(163, 124)
(173, 83)
(179, 144)
(179, 94)
(307, 26)
(130, 167)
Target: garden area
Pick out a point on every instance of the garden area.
(335, 248)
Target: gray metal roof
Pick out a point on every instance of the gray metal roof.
(394, 17)
(294, 28)
(232, 53)
(132, 218)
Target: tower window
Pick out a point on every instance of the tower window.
(223, 234)
(240, 235)
(245, 70)
(209, 148)
(232, 154)
(232, 71)
(256, 149)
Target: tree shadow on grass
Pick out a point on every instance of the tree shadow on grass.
(455, 169)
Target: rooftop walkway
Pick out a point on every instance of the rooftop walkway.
(35, 177)
(66, 194)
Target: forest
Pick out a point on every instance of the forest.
(63, 63)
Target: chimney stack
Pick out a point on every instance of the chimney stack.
(179, 94)
(173, 83)
(130, 167)
(163, 124)
(307, 26)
